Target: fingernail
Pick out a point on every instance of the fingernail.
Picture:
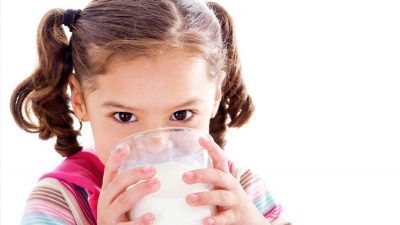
(147, 169)
(122, 151)
(210, 221)
(204, 140)
(189, 175)
(149, 217)
(153, 182)
(193, 198)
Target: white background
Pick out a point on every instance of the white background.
(325, 78)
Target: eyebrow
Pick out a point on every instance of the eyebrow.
(192, 101)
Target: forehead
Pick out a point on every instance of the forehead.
(160, 81)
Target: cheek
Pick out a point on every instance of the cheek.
(105, 138)
(202, 123)
(103, 147)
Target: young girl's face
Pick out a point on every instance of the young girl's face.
(146, 93)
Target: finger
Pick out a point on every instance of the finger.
(215, 197)
(128, 199)
(127, 178)
(220, 160)
(113, 163)
(145, 219)
(223, 218)
(211, 175)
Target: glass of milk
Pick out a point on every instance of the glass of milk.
(172, 151)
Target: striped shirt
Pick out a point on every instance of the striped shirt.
(47, 205)
(259, 193)
(54, 201)
(51, 202)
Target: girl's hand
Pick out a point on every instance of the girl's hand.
(234, 207)
(115, 200)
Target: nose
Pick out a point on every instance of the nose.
(157, 143)
(153, 123)
(155, 140)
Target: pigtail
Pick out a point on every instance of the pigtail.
(235, 102)
(46, 88)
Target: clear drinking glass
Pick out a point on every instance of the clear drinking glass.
(172, 151)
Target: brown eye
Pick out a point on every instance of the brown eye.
(181, 115)
(123, 116)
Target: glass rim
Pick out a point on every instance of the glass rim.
(162, 129)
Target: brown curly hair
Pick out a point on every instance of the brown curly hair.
(113, 28)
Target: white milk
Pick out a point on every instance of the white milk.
(168, 203)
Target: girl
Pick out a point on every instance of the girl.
(132, 66)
